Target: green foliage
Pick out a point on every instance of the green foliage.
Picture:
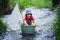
(12, 2)
(28, 3)
(6, 4)
(24, 3)
(3, 26)
(42, 3)
(57, 24)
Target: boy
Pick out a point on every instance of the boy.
(29, 20)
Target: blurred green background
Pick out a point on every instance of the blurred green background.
(28, 3)
(6, 6)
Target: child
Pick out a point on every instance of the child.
(29, 20)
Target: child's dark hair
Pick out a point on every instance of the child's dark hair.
(28, 14)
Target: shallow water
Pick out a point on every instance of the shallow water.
(44, 20)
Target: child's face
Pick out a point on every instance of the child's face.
(28, 16)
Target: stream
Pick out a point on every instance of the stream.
(44, 20)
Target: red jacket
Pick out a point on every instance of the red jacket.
(28, 20)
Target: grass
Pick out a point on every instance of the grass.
(42, 3)
(28, 3)
(56, 24)
(3, 26)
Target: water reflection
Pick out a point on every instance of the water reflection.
(28, 37)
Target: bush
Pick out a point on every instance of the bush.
(57, 24)
(7, 5)
(3, 26)
(28, 3)
(24, 3)
(42, 3)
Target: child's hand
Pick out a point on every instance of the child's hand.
(33, 25)
(26, 25)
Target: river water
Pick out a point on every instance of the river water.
(44, 20)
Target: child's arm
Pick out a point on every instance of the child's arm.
(33, 23)
(25, 23)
